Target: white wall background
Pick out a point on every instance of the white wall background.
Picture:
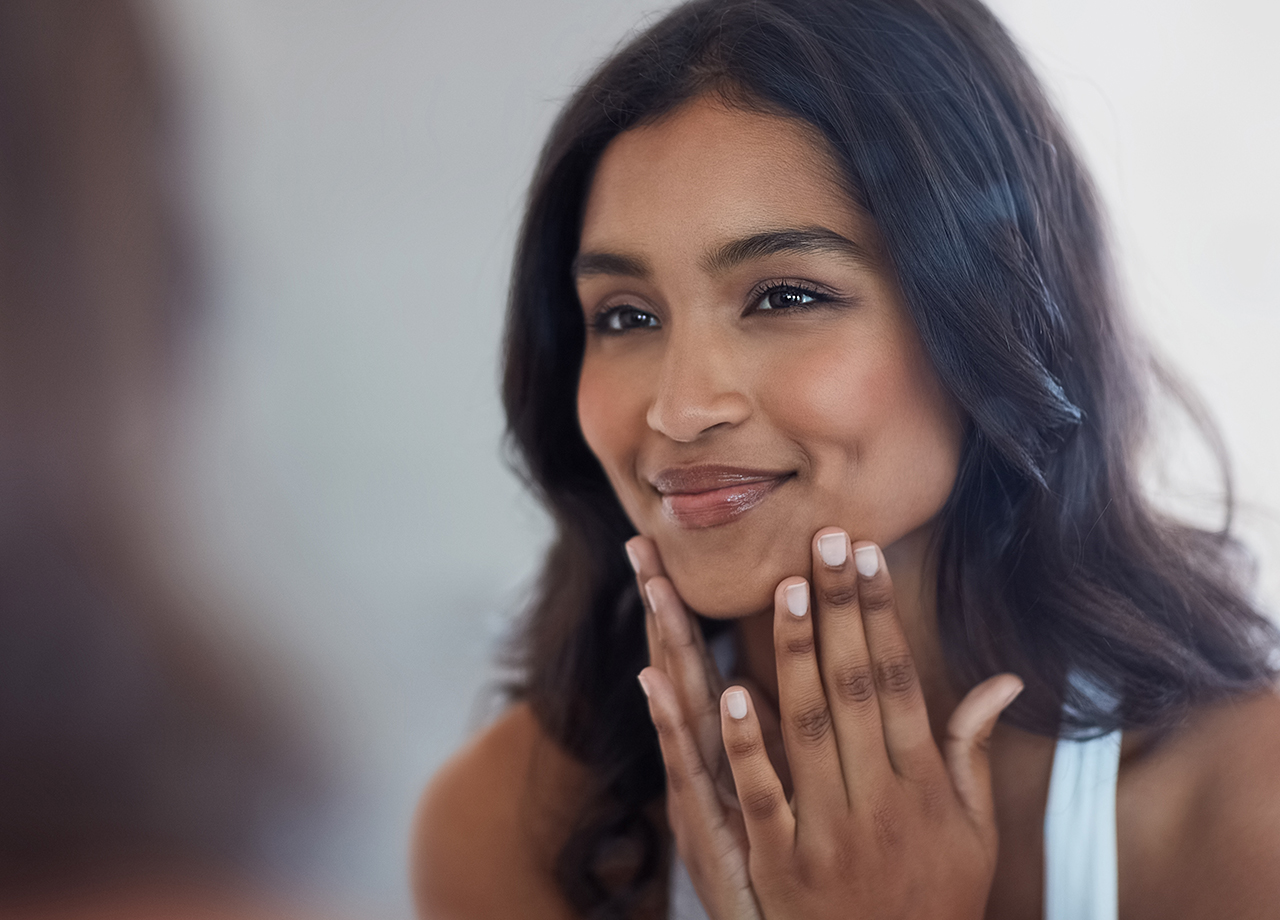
(359, 170)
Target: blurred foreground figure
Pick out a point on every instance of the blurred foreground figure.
(139, 769)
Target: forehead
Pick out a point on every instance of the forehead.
(710, 170)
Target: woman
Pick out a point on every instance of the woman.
(813, 308)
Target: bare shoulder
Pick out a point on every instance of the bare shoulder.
(490, 822)
(1203, 808)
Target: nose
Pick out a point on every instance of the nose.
(700, 386)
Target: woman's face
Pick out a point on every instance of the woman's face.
(751, 373)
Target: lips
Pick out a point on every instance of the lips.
(708, 496)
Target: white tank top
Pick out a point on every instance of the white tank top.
(1080, 877)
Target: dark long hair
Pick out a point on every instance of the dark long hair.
(1050, 559)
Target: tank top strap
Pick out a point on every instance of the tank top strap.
(1081, 881)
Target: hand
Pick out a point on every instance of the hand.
(880, 823)
(692, 685)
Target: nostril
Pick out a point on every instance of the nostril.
(688, 419)
(699, 388)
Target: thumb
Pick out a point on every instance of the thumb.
(967, 746)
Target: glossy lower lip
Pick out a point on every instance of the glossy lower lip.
(713, 507)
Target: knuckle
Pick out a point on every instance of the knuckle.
(839, 858)
(744, 746)
(695, 769)
(677, 782)
(666, 731)
(760, 804)
(675, 644)
(799, 646)
(877, 599)
(896, 676)
(686, 641)
(934, 799)
(821, 866)
(813, 723)
(886, 824)
(669, 729)
(812, 874)
(839, 595)
(707, 710)
(855, 683)
(682, 772)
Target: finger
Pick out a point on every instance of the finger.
(770, 824)
(686, 659)
(846, 663)
(643, 554)
(907, 736)
(648, 564)
(644, 560)
(686, 665)
(771, 726)
(698, 819)
(803, 710)
(967, 747)
(656, 657)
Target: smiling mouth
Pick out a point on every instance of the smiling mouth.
(707, 496)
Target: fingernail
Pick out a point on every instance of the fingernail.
(867, 560)
(1013, 695)
(736, 702)
(644, 684)
(648, 592)
(632, 558)
(833, 548)
(797, 597)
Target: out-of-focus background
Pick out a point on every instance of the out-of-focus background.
(356, 174)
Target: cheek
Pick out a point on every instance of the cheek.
(881, 434)
(833, 397)
(606, 416)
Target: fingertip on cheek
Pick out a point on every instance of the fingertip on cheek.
(867, 560)
(644, 684)
(834, 549)
(632, 557)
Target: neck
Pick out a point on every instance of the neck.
(913, 567)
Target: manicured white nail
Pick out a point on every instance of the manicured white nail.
(736, 702)
(648, 592)
(644, 684)
(833, 548)
(632, 558)
(797, 597)
(867, 560)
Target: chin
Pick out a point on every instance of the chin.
(730, 588)
(726, 604)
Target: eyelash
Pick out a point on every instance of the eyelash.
(602, 322)
(763, 291)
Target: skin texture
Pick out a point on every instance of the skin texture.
(838, 395)
(860, 782)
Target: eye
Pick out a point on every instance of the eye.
(788, 297)
(616, 320)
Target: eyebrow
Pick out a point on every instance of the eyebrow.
(805, 240)
(608, 263)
